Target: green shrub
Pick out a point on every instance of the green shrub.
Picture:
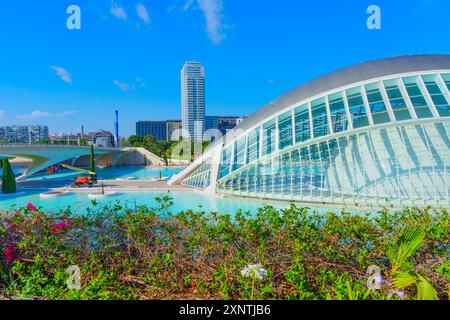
(149, 253)
(8, 177)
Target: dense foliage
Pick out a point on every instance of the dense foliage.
(8, 177)
(296, 253)
(164, 149)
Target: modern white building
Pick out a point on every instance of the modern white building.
(373, 134)
(193, 100)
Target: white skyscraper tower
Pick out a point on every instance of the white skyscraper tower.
(193, 100)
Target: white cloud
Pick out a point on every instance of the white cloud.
(34, 115)
(140, 82)
(125, 87)
(2, 114)
(188, 5)
(142, 13)
(65, 113)
(118, 11)
(62, 73)
(37, 114)
(171, 8)
(271, 81)
(212, 10)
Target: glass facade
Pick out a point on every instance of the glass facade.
(446, 78)
(200, 178)
(319, 118)
(269, 137)
(377, 104)
(397, 101)
(316, 150)
(302, 124)
(253, 145)
(338, 114)
(436, 92)
(357, 108)
(416, 95)
(364, 168)
(285, 129)
(225, 162)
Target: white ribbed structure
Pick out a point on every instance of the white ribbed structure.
(371, 134)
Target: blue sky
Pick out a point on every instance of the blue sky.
(128, 54)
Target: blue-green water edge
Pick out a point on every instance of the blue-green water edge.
(80, 201)
(183, 200)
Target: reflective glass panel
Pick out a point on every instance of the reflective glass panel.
(269, 137)
(319, 116)
(253, 145)
(446, 78)
(285, 130)
(397, 101)
(239, 153)
(302, 125)
(337, 110)
(418, 101)
(225, 163)
(357, 108)
(377, 104)
(437, 95)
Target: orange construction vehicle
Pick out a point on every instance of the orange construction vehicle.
(83, 181)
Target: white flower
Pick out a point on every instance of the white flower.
(400, 294)
(254, 270)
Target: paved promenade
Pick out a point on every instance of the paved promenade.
(116, 185)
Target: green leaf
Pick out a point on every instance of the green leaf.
(403, 280)
(350, 291)
(425, 290)
(410, 240)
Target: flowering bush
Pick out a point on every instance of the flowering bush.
(31, 207)
(59, 226)
(9, 252)
(147, 253)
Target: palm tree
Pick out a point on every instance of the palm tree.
(402, 272)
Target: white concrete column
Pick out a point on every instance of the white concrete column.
(347, 110)
(366, 104)
(387, 102)
(402, 87)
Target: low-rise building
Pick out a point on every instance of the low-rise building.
(173, 128)
(156, 129)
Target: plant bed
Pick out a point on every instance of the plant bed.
(148, 253)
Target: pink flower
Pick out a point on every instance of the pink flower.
(9, 252)
(31, 207)
(59, 226)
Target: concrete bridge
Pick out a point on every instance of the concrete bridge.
(43, 156)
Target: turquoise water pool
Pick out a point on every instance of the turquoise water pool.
(138, 173)
(183, 200)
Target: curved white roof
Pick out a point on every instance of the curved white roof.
(347, 76)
